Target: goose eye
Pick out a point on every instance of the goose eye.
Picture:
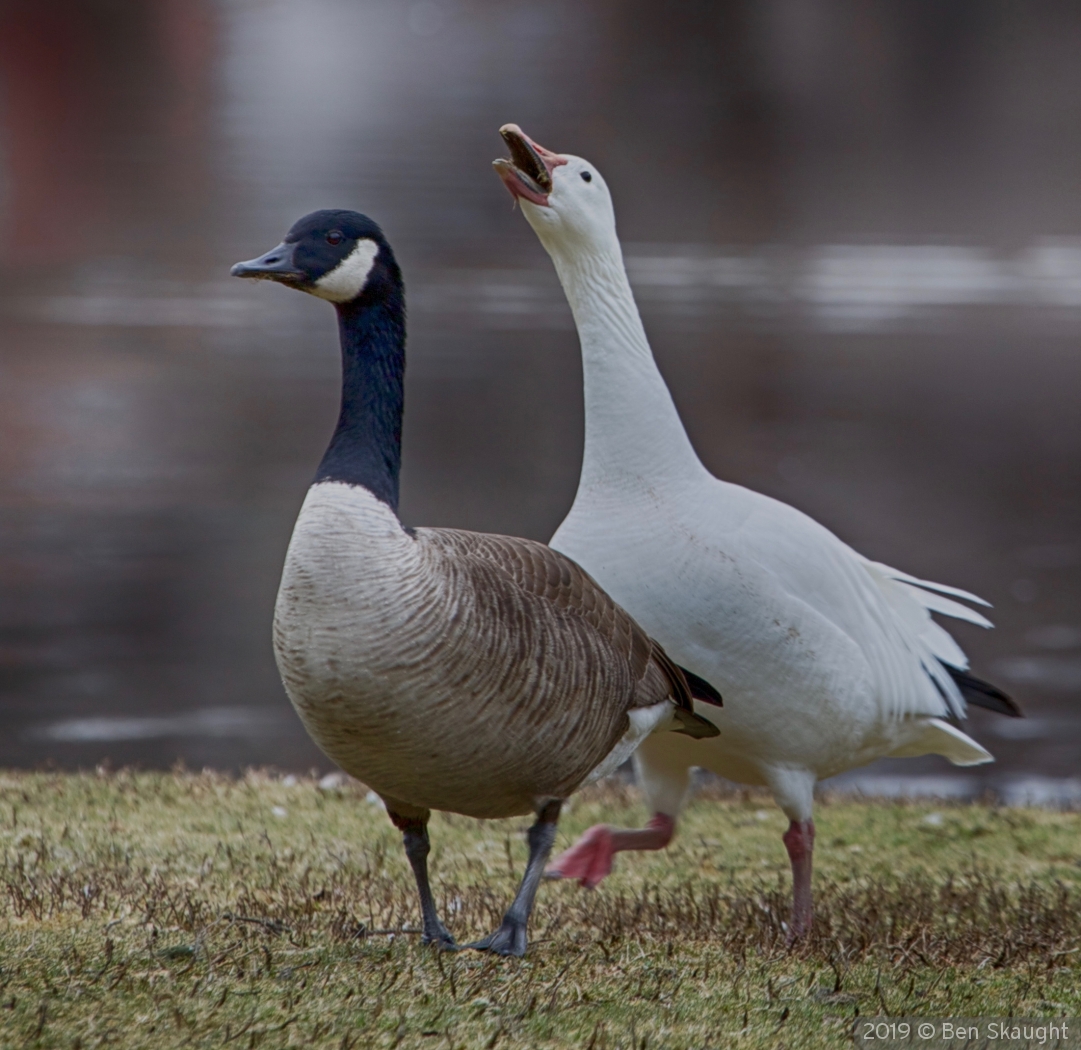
(334, 237)
(587, 176)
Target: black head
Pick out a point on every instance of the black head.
(336, 255)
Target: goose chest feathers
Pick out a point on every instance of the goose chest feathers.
(826, 660)
(485, 675)
(411, 658)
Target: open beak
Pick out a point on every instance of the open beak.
(528, 172)
(276, 265)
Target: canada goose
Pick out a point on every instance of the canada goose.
(826, 660)
(480, 674)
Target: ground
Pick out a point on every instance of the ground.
(178, 909)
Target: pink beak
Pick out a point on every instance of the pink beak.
(528, 174)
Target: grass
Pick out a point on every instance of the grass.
(145, 909)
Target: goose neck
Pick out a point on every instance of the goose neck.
(365, 448)
(631, 423)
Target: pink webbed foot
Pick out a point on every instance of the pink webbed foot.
(589, 860)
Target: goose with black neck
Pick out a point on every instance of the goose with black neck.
(468, 672)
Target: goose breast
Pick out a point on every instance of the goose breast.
(428, 665)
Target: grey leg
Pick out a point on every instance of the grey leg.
(415, 836)
(510, 938)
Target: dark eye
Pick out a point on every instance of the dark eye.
(334, 237)
(587, 176)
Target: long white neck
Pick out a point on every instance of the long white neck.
(633, 431)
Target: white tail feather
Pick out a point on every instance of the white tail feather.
(940, 738)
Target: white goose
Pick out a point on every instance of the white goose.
(826, 660)
(485, 675)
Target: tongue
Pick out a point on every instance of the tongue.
(529, 173)
(520, 185)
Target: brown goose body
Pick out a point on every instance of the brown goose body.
(449, 670)
(453, 670)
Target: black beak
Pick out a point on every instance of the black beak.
(276, 265)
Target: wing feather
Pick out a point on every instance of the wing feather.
(942, 588)
(886, 622)
(945, 606)
(541, 572)
(941, 643)
(912, 604)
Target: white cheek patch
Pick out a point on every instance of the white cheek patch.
(346, 280)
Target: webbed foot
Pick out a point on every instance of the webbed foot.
(589, 860)
(509, 939)
(441, 939)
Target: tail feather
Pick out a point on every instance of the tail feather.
(936, 737)
(983, 694)
(694, 725)
(686, 688)
(701, 689)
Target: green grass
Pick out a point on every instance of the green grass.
(197, 910)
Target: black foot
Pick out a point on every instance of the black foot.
(509, 939)
(441, 939)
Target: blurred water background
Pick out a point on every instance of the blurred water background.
(854, 231)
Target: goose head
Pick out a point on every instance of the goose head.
(564, 198)
(341, 256)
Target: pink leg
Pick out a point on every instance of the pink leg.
(799, 840)
(590, 858)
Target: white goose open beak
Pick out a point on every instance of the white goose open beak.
(528, 172)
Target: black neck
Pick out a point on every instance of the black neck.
(366, 448)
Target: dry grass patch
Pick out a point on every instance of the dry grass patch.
(200, 910)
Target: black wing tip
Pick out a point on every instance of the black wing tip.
(983, 694)
(701, 689)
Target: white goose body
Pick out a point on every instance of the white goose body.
(818, 672)
(826, 661)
